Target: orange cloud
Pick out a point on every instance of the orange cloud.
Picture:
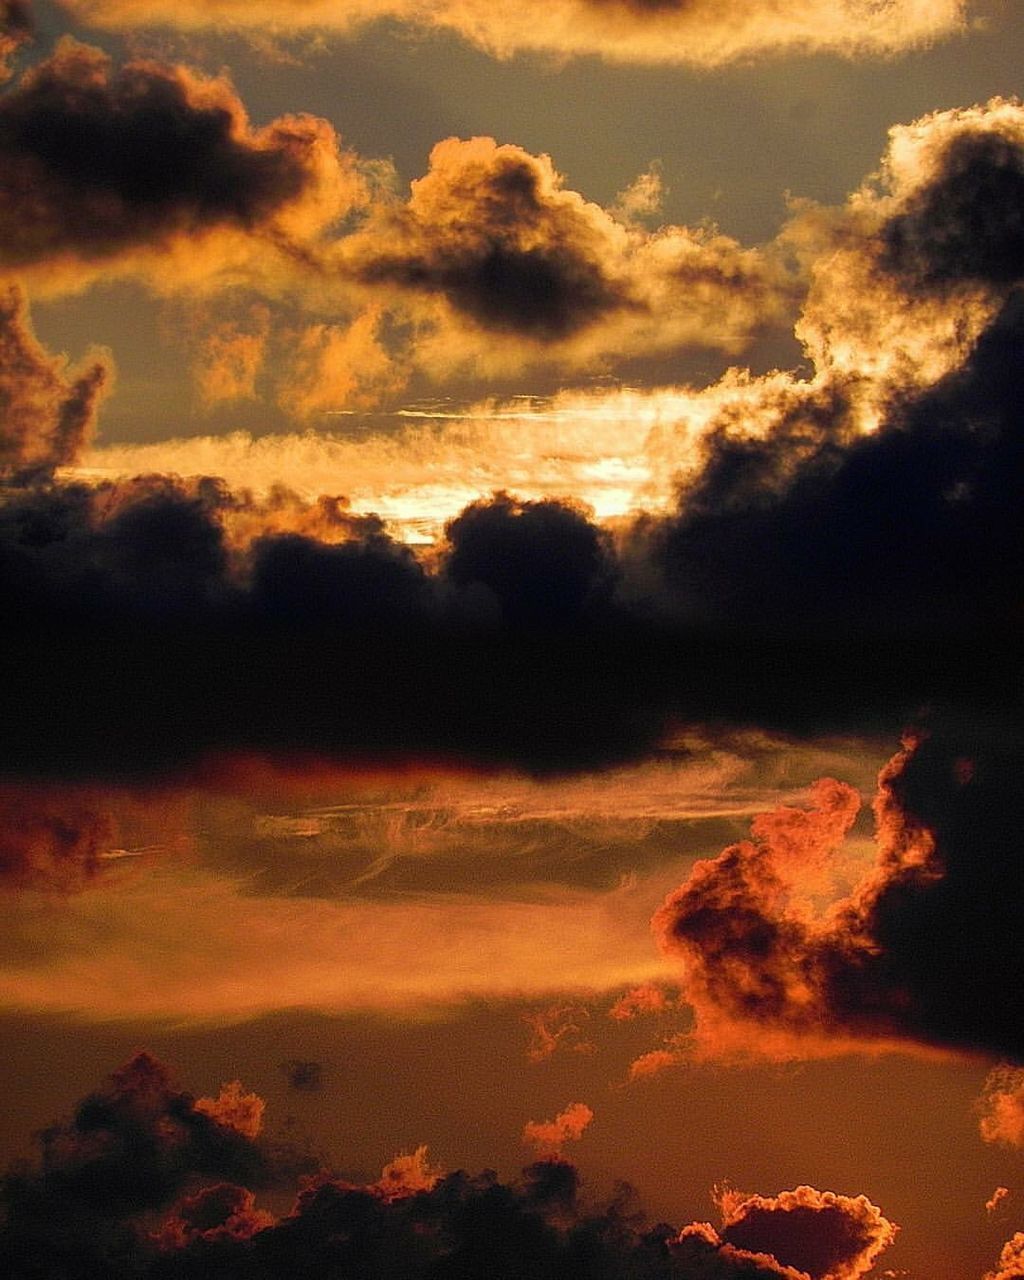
(234, 1109)
(15, 30)
(771, 971)
(703, 33)
(152, 169)
(816, 1233)
(1001, 1107)
(556, 1027)
(492, 243)
(406, 1175)
(113, 953)
(641, 1000)
(1011, 1260)
(548, 1137)
(996, 1199)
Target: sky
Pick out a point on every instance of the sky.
(510, 746)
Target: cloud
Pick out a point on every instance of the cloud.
(548, 1137)
(139, 1148)
(110, 954)
(222, 1212)
(555, 1028)
(641, 1000)
(16, 28)
(1011, 1260)
(108, 168)
(303, 1075)
(996, 1199)
(698, 32)
(407, 1175)
(233, 1109)
(819, 1233)
(52, 838)
(495, 244)
(837, 549)
(48, 409)
(911, 953)
(1001, 1107)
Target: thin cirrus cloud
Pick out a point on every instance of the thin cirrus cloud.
(666, 31)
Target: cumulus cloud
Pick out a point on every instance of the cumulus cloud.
(824, 1235)
(548, 1137)
(910, 954)
(492, 238)
(139, 1150)
(108, 168)
(996, 1199)
(234, 1109)
(1011, 1260)
(668, 31)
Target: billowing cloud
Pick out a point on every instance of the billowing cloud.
(221, 1212)
(824, 1235)
(911, 953)
(699, 32)
(107, 168)
(234, 1109)
(1011, 1260)
(139, 1148)
(492, 232)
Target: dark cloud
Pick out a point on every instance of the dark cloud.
(920, 948)
(304, 1075)
(490, 229)
(143, 1184)
(128, 1150)
(966, 223)
(541, 563)
(95, 160)
(819, 1233)
(829, 584)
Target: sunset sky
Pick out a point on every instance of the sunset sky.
(511, 751)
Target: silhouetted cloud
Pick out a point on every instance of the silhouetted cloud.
(140, 1148)
(101, 160)
(913, 952)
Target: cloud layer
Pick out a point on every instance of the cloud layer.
(698, 32)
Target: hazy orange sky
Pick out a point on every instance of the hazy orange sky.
(510, 534)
